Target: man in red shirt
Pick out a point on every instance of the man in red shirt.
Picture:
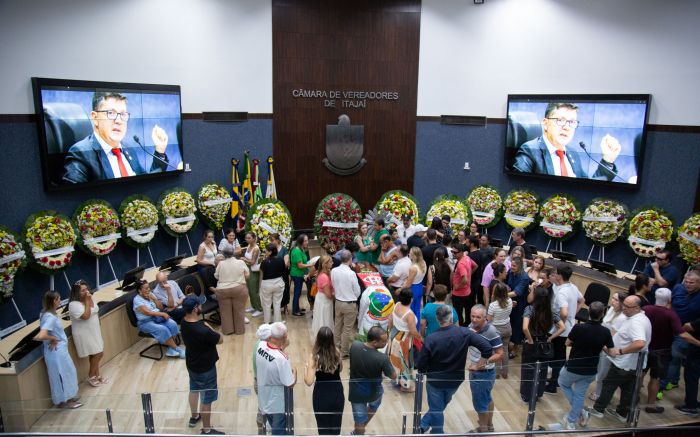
(665, 324)
(461, 283)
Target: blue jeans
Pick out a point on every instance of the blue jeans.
(691, 376)
(679, 349)
(278, 423)
(298, 282)
(438, 398)
(574, 387)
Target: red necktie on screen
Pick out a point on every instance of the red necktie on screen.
(122, 168)
(562, 163)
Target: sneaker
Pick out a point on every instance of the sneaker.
(687, 410)
(595, 413)
(212, 431)
(182, 352)
(552, 390)
(660, 395)
(670, 386)
(614, 413)
(174, 353)
(568, 425)
(193, 421)
(584, 418)
(246, 319)
(249, 310)
(654, 409)
(256, 313)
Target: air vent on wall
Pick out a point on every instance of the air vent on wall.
(469, 120)
(225, 116)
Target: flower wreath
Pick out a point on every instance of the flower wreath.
(51, 241)
(213, 203)
(560, 215)
(649, 231)
(177, 211)
(689, 239)
(604, 221)
(451, 205)
(98, 227)
(485, 206)
(12, 259)
(397, 203)
(270, 216)
(521, 208)
(139, 218)
(336, 220)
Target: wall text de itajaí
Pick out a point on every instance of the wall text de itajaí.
(345, 99)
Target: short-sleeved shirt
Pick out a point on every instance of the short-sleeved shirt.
(375, 252)
(273, 268)
(201, 343)
(366, 368)
(501, 316)
(588, 340)
(428, 313)
(298, 256)
(632, 329)
(428, 252)
(401, 271)
(463, 269)
(566, 296)
(490, 333)
(664, 324)
(162, 294)
(530, 310)
(322, 281)
(52, 324)
(669, 273)
(686, 305)
(274, 373)
(140, 301)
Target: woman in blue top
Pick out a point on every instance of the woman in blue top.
(63, 378)
(152, 320)
(428, 317)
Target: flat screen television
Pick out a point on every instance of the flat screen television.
(596, 138)
(102, 132)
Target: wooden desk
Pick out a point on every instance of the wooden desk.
(24, 388)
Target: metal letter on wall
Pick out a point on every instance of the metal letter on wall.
(344, 147)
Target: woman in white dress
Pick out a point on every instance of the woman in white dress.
(85, 327)
(323, 308)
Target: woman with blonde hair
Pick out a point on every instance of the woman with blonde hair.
(323, 368)
(499, 315)
(402, 331)
(323, 308)
(537, 265)
(63, 378)
(85, 328)
(416, 273)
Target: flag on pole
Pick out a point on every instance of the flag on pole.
(271, 192)
(246, 189)
(236, 185)
(257, 191)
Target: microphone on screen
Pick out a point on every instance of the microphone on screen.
(583, 146)
(137, 140)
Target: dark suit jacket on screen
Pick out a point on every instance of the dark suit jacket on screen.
(533, 157)
(87, 161)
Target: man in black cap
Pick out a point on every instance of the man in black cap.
(405, 230)
(200, 340)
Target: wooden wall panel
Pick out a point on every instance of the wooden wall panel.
(351, 46)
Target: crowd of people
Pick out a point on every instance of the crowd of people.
(459, 305)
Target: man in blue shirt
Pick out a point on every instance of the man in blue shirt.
(662, 273)
(686, 303)
(443, 358)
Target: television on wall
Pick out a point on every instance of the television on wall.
(596, 138)
(94, 133)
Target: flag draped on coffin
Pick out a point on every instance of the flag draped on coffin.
(236, 185)
(271, 192)
(247, 188)
(257, 190)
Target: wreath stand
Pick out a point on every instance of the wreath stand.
(97, 272)
(558, 245)
(636, 260)
(138, 257)
(21, 324)
(177, 245)
(601, 252)
(52, 284)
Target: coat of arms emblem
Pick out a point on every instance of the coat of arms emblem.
(344, 147)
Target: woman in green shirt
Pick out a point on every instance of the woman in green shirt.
(376, 245)
(363, 240)
(299, 268)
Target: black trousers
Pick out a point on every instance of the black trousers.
(463, 306)
(559, 346)
(617, 378)
(527, 373)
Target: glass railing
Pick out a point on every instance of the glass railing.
(236, 409)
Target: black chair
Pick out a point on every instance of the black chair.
(129, 305)
(595, 292)
(193, 284)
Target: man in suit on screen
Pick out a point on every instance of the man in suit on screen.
(551, 154)
(102, 154)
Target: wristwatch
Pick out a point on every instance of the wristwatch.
(620, 351)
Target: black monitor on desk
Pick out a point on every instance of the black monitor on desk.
(603, 266)
(565, 256)
(495, 242)
(131, 278)
(172, 264)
